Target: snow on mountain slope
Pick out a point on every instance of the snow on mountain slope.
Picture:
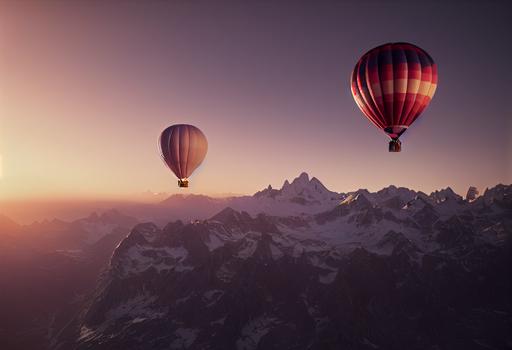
(301, 190)
(357, 220)
(300, 197)
(302, 263)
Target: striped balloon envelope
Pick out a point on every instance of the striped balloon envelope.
(392, 84)
(183, 148)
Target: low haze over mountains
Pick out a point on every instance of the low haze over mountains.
(299, 267)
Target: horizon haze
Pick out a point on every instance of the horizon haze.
(27, 212)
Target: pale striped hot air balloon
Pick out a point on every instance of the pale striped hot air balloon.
(392, 84)
(183, 148)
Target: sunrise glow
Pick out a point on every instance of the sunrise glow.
(83, 111)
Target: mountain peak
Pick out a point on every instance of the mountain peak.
(303, 190)
(391, 189)
(444, 195)
(144, 232)
(472, 193)
(303, 176)
(229, 214)
(302, 179)
(499, 192)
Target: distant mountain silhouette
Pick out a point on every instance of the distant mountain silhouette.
(47, 269)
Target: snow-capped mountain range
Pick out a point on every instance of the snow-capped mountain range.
(301, 196)
(306, 268)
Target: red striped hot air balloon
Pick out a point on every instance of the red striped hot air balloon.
(392, 84)
(183, 148)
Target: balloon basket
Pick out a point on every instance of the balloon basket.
(395, 146)
(182, 183)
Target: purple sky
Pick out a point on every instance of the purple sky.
(87, 87)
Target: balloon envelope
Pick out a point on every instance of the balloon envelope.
(183, 148)
(392, 84)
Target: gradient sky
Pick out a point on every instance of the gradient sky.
(86, 88)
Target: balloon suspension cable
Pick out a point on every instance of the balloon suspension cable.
(183, 182)
(395, 145)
